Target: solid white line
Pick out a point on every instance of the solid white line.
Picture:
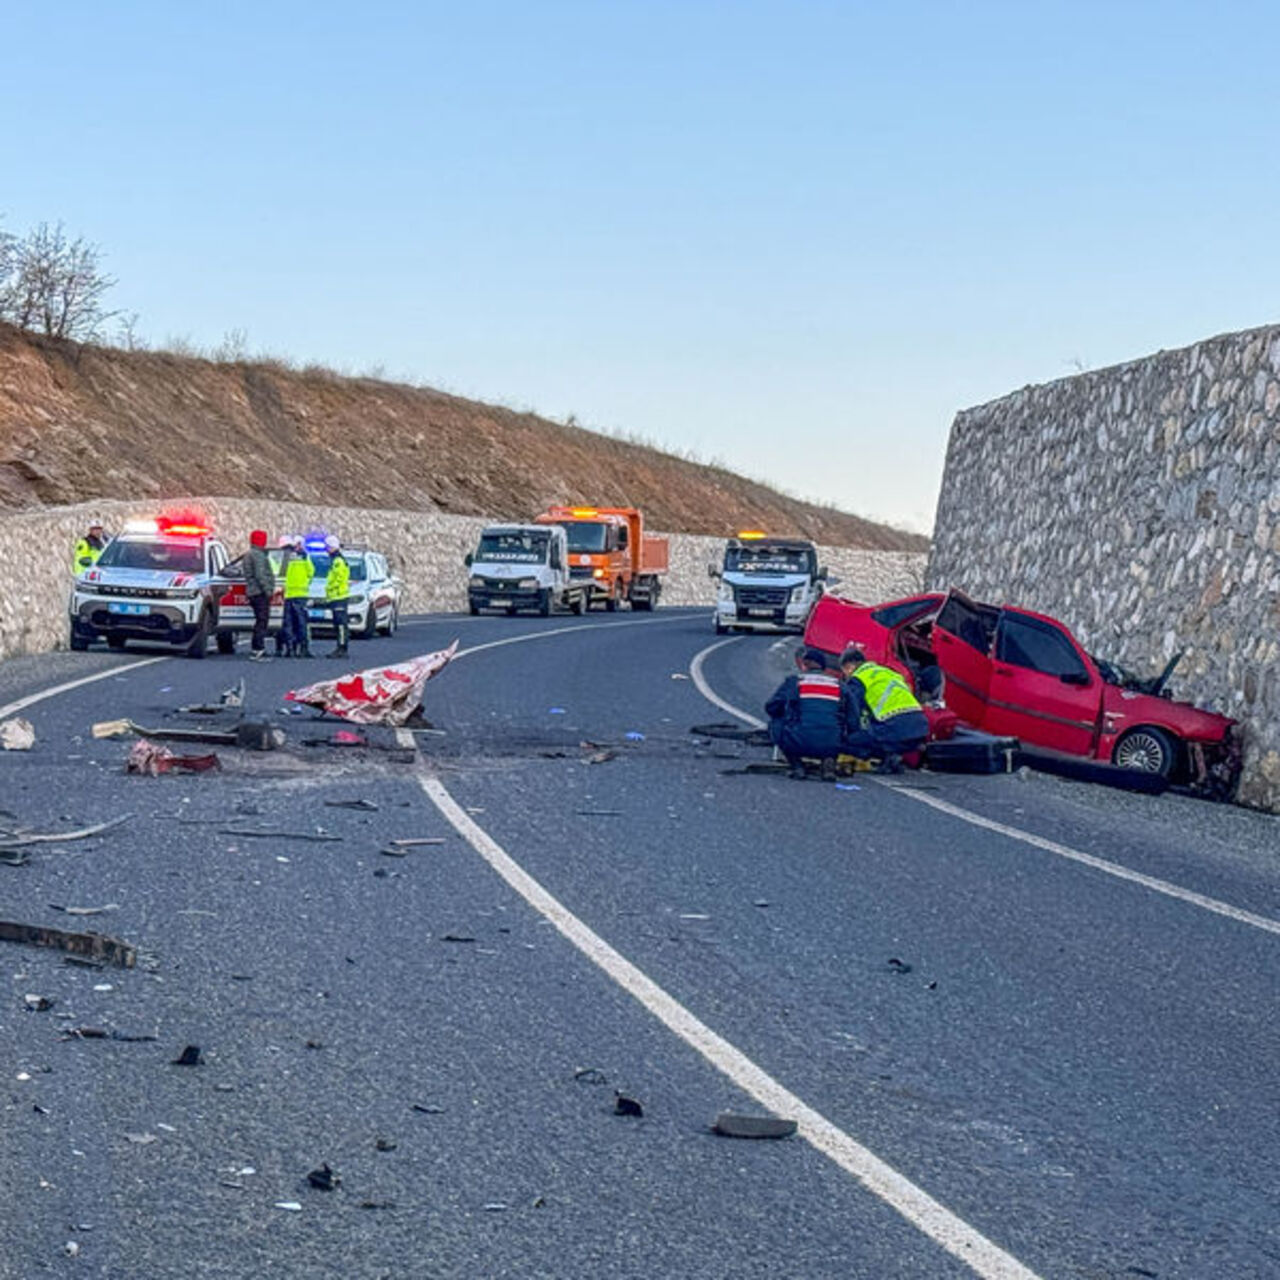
(1099, 864)
(12, 708)
(920, 1209)
(1026, 837)
(700, 681)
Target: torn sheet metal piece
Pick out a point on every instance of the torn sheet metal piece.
(93, 946)
(379, 695)
(17, 735)
(20, 838)
(147, 757)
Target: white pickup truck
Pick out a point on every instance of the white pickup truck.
(524, 566)
(767, 583)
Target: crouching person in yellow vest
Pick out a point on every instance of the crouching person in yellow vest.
(891, 721)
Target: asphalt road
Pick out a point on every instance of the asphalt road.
(1006, 1058)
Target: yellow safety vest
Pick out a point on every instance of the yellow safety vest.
(338, 580)
(85, 556)
(297, 577)
(887, 693)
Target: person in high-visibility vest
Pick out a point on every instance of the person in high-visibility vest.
(337, 586)
(89, 548)
(888, 721)
(298, 572)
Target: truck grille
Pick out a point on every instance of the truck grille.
(577, 574)
(762, 597)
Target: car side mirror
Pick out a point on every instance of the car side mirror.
(467, 559)
(822, 574)
(1080, 678)
(712, 571)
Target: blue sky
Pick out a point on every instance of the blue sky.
(792, 237)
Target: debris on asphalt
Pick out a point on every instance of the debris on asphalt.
(189, 1057)
(412, 842)
(730, 1124)
(679, 675)
(428, 1108)
(142, 1139)
(92, 946)
(290, 1206)
(556, 711)
(634, 735)
(384, 1144)
(899, 966)
(847, 786)
(319, 837)
(22, 837)
(71, 1249)
(393, 851)
(590, 1075)
(17, 735)
(625, 1106)
(227, 699)
(378, 695)
(37, 1003)
(494, 1206)
(600, 757)
(147, 758)
(364, 806)
(761, 902)
(84, 911)
(598, 813)
(456, 937)
(324, 1178)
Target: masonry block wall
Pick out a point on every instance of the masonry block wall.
(1140, 504)
(426, 550)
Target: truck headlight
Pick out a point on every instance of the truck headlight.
(475, 581)
(798, 593)
(527, 584)
(725, 595)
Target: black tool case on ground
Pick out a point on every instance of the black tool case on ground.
(972, 751)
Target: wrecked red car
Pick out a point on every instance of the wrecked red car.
(1020, 674)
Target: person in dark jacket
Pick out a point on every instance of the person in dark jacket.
(808, 713)
(259, 587)
(886, 720)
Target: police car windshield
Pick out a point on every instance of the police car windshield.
(359, 570)
(163, 555)
(586, 535)
(757, 559)
(521, 548)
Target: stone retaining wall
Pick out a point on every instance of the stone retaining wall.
(426, 550)
(1140, 504)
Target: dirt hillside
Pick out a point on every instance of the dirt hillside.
(83, 422)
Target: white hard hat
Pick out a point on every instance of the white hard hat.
(95, 523)
(285, 541)
(331, 543)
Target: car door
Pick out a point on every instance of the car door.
(1043, 689)
(962, 641)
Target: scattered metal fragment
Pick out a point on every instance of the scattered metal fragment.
(598, 813)
(761, 902)
(189, 1057)
(365, 806)
(142, 1139)
(324, 1179)
(289, 1206)
(314, 1044)
(392, 852)
(899, 966)
(590, 1075)
(95, 947)
(38, 1004)
(600, 757)
(84, 911)
(151, 760)
(730, 1124)
(17, 735)
(385, 1144)
(85, 1033)
(625, 1106)
(456, 937)
(539, 1202)
(411, 842)
(428, 1108)
(20, 838)
(494, 1206)
(228, 698)
(634, 735)
(319, 837)
(376, 1204)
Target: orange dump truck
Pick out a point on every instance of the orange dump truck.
(609, 547)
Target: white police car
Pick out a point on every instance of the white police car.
(152, 582)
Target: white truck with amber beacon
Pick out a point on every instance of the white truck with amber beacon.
(767, 584)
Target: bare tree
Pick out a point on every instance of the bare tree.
(53, 284)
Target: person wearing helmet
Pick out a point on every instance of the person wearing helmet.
(259, 587)
(284, 637)
(808, 715)
(89, 548)
(298, 572)
(337, 587)
(887, 720)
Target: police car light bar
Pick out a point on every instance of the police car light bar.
(141, 526)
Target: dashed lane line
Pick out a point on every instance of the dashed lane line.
(915, 1205)
(1156, 885)
(12, 708)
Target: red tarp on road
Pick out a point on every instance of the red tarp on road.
(380, 695)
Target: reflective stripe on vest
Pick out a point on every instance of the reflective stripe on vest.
(886, 691)
(817, 686)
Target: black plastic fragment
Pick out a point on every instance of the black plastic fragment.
(189, 1057)
(729, 1124)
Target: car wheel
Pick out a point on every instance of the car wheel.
(226, 642)
(370, 623)
(579, 605)
(721, 629)
(1149, 749)
(115, 642)
(544, 604)
(472, 608)
(199, 644)
(393, 621)
(77, 641)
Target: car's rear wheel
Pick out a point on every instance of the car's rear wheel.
(1149, 749)
(115, 642)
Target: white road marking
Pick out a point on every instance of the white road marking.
(1153, 883)
(920, 1209)
(695, 674)
(1099, 864)
(12, 708)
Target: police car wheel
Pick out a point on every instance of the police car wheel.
(393, 620)
(78, 642)
(473, 608)
(115, 642)
(226, 642)
(200, 641)
(370, 623)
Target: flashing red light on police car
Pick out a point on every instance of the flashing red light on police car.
(183, 526)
